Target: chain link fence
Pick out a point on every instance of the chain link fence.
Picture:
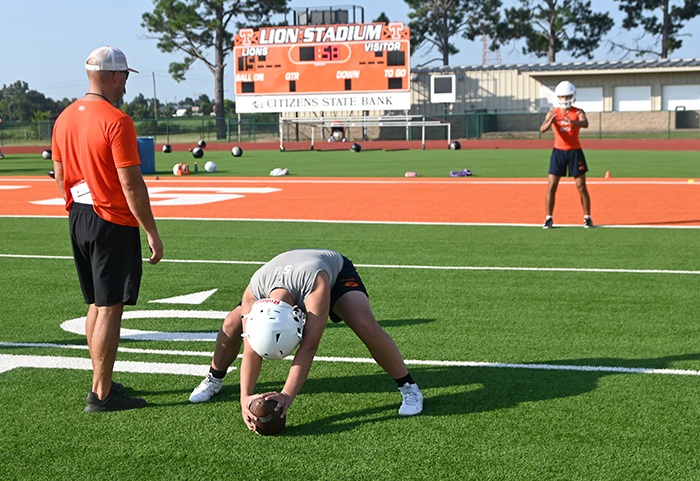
(169, 131)
(678, 124)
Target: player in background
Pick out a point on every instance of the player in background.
(321, 283)
(566, 121)
(337, 132)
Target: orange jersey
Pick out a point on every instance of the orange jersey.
(565, 133)
(92, 139)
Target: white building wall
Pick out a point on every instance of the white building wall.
(681, 96)
(510, 90)
(632, 98)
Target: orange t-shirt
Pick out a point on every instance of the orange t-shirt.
(565, 133)
(92, 139)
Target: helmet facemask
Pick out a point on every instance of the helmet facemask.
(566, 102)
(565, 89)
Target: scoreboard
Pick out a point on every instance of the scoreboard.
(321, 68)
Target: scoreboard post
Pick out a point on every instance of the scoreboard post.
(323, 68)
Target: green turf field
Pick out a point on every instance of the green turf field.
(511, 296)
(382, 163)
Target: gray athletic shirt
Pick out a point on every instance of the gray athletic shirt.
(296, 271)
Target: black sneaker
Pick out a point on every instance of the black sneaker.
(116, 401)
(548, 224)
(588, 222)
(117, 386)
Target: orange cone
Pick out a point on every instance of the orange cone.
(607, 174)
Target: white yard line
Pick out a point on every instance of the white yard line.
(390, 266)
(415, 181)
(14, 361)
(321, 221)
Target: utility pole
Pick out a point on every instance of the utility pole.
(155, 99)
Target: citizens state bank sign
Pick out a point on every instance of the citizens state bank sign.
(323, 68)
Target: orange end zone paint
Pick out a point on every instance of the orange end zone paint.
(653, 202)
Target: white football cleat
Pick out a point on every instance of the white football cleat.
(412, 400)
(207, 389)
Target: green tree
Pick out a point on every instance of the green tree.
(230, 108)
(660, 19)
(382, 18)
(436, 22)
(206, 108)
(551, 26)
(196, 27)
(39, 116)
(19, 102)
(139, 108)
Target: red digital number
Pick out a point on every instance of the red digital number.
(331, 52)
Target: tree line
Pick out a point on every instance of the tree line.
(20, 103)
(548, 27)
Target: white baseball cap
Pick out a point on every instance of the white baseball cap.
(108, 58)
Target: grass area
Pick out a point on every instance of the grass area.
(481, 423)
(380, 163)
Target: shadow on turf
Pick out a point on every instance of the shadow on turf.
(385, 323)
(473, 390)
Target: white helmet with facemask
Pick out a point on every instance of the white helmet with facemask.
(566, 89)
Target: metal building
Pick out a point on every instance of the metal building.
(606, 86)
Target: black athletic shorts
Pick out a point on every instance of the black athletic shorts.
(574, 160)
(107, 257)
(348, 280)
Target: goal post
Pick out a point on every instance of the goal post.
(396, 121)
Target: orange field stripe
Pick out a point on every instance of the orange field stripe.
(630, 202)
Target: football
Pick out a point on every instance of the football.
(202, 143)
(355, 147)
(455, 145)
(236, 151)
(197, 153)
(46, 154)
(269, 421)
(167, 148)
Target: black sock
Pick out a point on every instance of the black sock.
(406, 379)
(217, 374)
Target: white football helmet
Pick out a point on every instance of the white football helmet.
(274, 328)
(565, 89)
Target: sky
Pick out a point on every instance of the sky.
(45, 43)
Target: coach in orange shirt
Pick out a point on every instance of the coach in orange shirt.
(97, 168)
(566, 121)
